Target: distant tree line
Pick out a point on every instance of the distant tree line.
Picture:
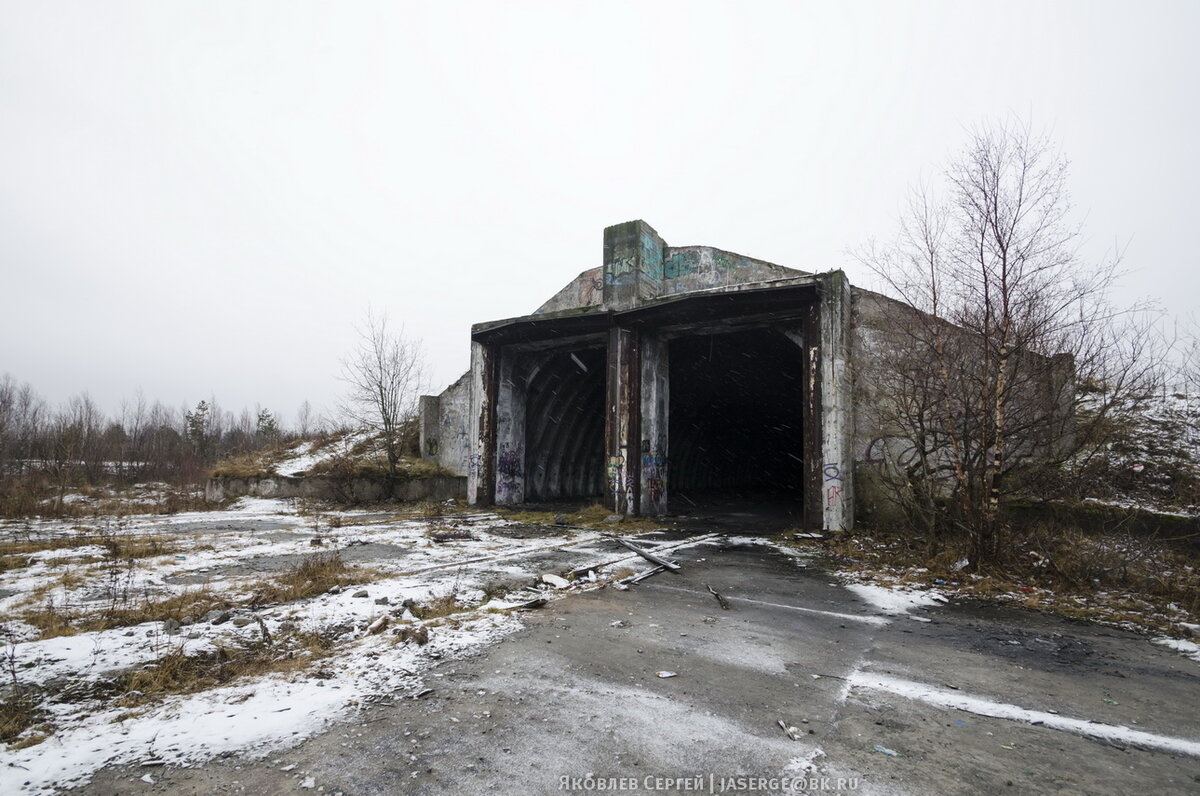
(46, 450)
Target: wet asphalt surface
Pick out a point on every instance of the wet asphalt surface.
(575, 694)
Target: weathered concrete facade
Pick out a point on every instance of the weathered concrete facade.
(666, 371)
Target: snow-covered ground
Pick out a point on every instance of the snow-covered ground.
(487, 572)
(306, 455)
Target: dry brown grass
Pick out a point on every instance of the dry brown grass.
(374, 465)
(21, 711)
(177, 673)
(437, 607)
(247, 465)
(314, 574)
(591, 516)
(116, 546)
(61, 620)
(1110, 577)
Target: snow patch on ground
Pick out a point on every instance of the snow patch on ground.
(253, 718)
(1189, 648)
(982, 706)
(895, 601)
(303, 457)
(233, 552)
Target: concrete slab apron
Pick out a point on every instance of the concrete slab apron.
(576, 694)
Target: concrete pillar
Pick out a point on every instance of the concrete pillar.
(837, 405)
(633, 264)
(481, 483)
(510, 431)
(655, 405)
(621, 426)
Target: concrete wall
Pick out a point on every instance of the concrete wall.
(366, 490)
(880, 354)
(585, 290)
(690, 268)
(444, 425)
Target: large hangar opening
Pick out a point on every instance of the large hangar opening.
(735, 427)
(564, 428)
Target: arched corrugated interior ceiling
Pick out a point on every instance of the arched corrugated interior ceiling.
(564, 426)
(736, 413)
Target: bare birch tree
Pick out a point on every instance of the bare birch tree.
(386, 375)
(984, 379)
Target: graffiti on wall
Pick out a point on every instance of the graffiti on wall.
(899, 450)
(613, 470)
(679, 264)
(654, 470)
(475, 465)
(509, 464)
(651, 258)
(834, 481)
(620, 272)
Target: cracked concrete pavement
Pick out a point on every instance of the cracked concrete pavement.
(576, 694)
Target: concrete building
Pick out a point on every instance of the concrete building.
(667, 374)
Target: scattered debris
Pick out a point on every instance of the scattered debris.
(724, 603)
(651, 557)
(642, 576)
(618, 623)
(556, 581)
(149, 780)
(309, 782)
(452, 535)
(807, 536)
(665, 675)
(960, 564)
(537, 602)
(423, 693)
(886, 751)
(614, 518)
(154, 762)
(379, 625)
(790, 731)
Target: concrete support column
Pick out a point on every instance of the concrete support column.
(655, 406)
(622, 422)
(837, 406)
(510, 431)
(481, 481)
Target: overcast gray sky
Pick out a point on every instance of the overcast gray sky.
(203, 198)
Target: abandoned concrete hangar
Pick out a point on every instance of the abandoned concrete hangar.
(665, 374)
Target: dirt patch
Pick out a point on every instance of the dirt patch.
(531, 531)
